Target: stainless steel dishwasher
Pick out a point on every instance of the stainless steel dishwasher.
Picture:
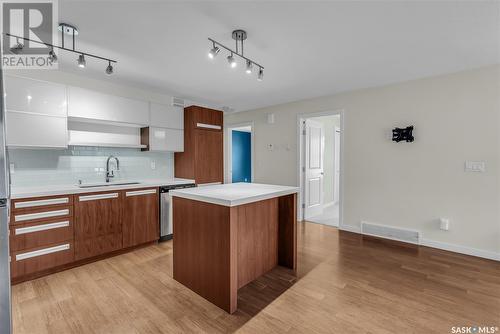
(166, 224)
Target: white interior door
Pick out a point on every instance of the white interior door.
(315, 145)
(336, 177)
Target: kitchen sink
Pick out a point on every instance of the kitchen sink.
(103, 184)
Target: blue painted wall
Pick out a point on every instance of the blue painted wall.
(242, 157)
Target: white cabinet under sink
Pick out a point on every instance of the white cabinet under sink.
(162, 139)
(36, 113)
(85, 104)
(166, 116)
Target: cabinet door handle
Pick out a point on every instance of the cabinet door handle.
(41, 202)
(40, 252)
(38, 228)
(208, 126)
(40, 215)
(140, 192)
(97, 197)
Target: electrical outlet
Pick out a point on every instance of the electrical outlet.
(475, 166)
(12, 169)
(153, 164)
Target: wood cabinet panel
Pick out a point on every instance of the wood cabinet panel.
(257, 251)
(32, 235)
(202, 159)
(40, 203)
(140, 216)
(30, 261)
(41, 214)
(209, 156)
(98, 226)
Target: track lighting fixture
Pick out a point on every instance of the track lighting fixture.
(65, 29)
(17, 48)
(239, 36)
(81, 61)
(52, 55)
(109, 69)
(249, 67)
(213, 52)
(231, 61)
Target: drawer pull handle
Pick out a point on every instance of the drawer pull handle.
(140, 192)
(40, 215)
(38, 228)
(42, 202)
(208, 126)
(97, 197)
(40, 252)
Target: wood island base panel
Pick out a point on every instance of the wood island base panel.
(219, 249)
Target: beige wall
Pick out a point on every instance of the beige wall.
(456, 118)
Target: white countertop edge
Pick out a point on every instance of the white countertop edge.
(231, 203)
(70, 189)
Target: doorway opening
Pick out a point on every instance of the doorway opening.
(240, 157)
(320, 147)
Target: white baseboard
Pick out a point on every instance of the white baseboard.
(461, 249)
(350, 228)
(326, 205)
(440, 245)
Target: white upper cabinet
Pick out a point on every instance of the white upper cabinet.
(34, 96)
(33, 130)
(95, 106)
(162, 139)
(166, 116)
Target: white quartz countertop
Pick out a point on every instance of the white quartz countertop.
(234, 194)
(52, 190)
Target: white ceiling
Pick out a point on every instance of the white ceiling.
(309, 49)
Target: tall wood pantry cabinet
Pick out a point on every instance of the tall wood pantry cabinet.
(202, 159)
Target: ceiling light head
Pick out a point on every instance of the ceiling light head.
(249, 67)
(109, 69)
(81, 61)
(231, 61)
(17, 48)
(52, 56)
(260, 76)
(68, 29)
(213, 52)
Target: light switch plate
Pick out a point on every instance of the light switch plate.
(475, 166)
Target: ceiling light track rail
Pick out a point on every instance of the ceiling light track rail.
(64, 48)
(235, 52)
(239, 36)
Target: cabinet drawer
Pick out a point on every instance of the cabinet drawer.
(41, 258)
(27, 204)
(31, 235)
(42, 214)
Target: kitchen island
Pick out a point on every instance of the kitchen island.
(227, 235)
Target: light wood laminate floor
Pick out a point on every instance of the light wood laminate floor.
(345, 284)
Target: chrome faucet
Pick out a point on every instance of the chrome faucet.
(110, 174)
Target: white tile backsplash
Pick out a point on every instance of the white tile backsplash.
(39, 167)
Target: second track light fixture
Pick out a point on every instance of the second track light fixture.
(65, 29)
(239, 36)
